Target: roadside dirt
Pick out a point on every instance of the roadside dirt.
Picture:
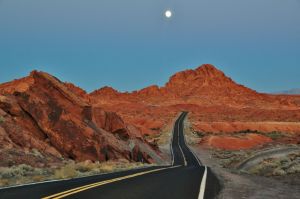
(240, 185)
(278, 152)
(236, 185)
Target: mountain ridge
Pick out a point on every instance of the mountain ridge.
(45, 104)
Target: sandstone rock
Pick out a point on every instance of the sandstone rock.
(210, 96)
(237, 143)
(58, 120)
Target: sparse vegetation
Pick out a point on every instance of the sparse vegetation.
(199, 134)
(2, 119)
(20, 174)
(275, 166)
(23, 173)
(68, 171)
(228, 159)
(278, 166)
(37, 153)
(274, 135)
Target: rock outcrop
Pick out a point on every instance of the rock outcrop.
(41, 112)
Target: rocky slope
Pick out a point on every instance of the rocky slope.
(39, 114)
(217, 104)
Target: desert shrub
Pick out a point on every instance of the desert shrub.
(274, 135)
(279, 172)
(16, 171)
(38, 178)
(86, 166)
(199, 134)
(247, 131)
(2, 119)
(93, 168)
(4, 182)
(37, 153)
(294, 169)
(266, 168)
(68, 171)
(23, 173)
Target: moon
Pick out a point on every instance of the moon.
(168, 14)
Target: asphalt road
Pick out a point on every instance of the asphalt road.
(185, 178)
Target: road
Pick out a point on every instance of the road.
(185, 178)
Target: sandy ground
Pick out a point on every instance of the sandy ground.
(237, 185)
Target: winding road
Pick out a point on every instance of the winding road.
(185, 178)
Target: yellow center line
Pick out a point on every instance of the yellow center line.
(93, 185)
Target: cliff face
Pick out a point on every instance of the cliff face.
(41, 112)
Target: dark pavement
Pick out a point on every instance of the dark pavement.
(181, 180)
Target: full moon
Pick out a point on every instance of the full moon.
(168, 14)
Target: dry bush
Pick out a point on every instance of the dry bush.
(277, 166)
(37, 153)
(39, 178)
(88, 168)
(68, 171)
(16, 171)
(2, 119)
(22, 174)
(4, 182)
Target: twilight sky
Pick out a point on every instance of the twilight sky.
(129, 45)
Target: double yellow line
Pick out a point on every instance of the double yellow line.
(97, 184)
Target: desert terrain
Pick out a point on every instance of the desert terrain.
(243, 135)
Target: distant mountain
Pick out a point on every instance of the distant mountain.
(209, 95)
(295, 91)
(205, 86)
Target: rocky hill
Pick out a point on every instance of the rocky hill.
(60, 120)
(41, 113)
(210, 96)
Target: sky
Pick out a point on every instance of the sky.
(130, 44)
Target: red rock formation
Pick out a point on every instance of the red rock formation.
(63, 119)
(236, 143)
(78, 91)
(209, 95)
(44, 113)
(106, 93)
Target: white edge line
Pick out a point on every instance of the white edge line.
(185, 163)
(191, 150)
(203, 185)
(171, 146)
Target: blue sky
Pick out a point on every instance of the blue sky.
(129, 45)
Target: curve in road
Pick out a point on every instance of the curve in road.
(185, 178)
